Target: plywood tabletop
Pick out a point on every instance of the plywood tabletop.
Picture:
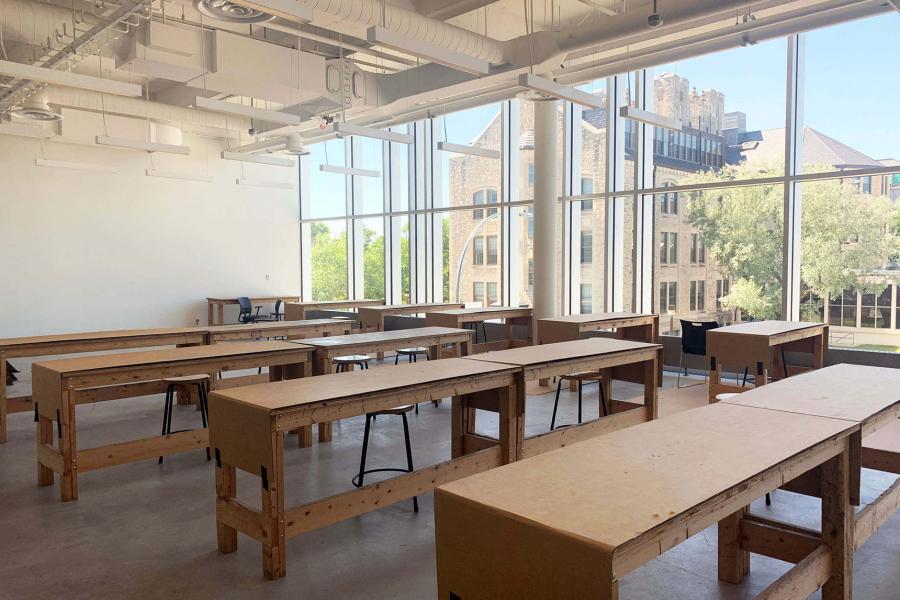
(535, 355)
(263, 325)
(308, 303)
(383, 336)
(486, 310)
(764, 328)
(849, 392)
(412, 307)
(297, 392)
(234, 299)
(99, 335)
(596, 317)
(152, 357)
(613, 489)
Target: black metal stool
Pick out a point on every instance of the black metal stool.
(347, 363)
(401, 411)
(200, 381)
(581, 378)
(410, 354)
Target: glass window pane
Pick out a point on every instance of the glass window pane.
(327, 191)
(372, 231)
(369, 194)
(462, 175)
(328, 261)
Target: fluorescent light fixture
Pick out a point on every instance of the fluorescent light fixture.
(408, 45)
(281, 185)
(645, 116)
(286, 9)
(262, 159)
(251, 112)
(177, 175)
(29, 131)
(557, 90)
(470, 150)
(131, 144)
(75, 166)
(67, 79)
(342, 129)
(349, 171)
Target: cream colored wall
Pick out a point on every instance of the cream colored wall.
(87, 251)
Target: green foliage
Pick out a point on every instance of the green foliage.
(329, 263)
(373, 264)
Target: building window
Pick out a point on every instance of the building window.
(587, 247)
(668, 202)
(668, 248)
(530, 272)
(587, 187)
(668, 296)
(481, 197)
(698, 295)
(586, 298)
(478, 291)
(491, 251)
(478, 251)
(698, 250)
(876, 309)
(842, 310)
(530, 220)
(722, 286)
(492, 292)
(530, 174)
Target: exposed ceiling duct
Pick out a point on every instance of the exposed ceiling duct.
(35, 108)
(223, 10)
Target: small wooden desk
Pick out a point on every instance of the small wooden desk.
(371, 318)
(219, 305)
(62, 384)
(759, 347)
(298, 310)
(247, 427)
(459, 317)
(379, 342)
(294, 330)
(572, 523)
(628, 326)
(73, 343)
(620, 359)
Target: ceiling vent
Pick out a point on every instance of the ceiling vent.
(293, 145)
(35, 109)
(223, 10)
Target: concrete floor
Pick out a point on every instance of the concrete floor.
(146, 531)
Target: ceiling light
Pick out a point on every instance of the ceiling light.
(349, 171)
(557, 90)
(281, 185)
(655, 19)
(179, 175)
(131, 144)
(343, 129)
(67, 79)
(293, 145)
(259, 158)
(35, 108)
(448, 58)
(470, 150)
(260, 114)
(650, 118)
(75, 166)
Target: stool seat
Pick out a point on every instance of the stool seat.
(583, 376)
(400, 410)
(351, 359)
(726, 396)
(416, 350)
(187, 379)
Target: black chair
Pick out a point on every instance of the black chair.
(359, 477)
(277, 315)
(693, 342)
(198, 380)
(246, 314)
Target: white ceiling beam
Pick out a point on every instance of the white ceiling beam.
(448, 58)
(72, 80)
(251, 112)
(601, 6)
(29, 131)
(557, 90)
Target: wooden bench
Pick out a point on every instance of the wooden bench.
(299, 310)
(60, 385)
(760, 348)
(572, 523)
(247, 427)
(460, 317)
(619, 359)
(217, 306)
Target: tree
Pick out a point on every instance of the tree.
(373, 264)
(329, 263)
(844, 236)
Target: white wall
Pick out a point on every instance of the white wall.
(86, 251)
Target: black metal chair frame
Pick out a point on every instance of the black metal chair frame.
(167, 412)
(359, 478)
(580, 394)
(695, 346)
(411, 357)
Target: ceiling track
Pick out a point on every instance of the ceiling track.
(120, 15)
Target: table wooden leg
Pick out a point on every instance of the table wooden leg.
(651, 396)
(226, 489)
(209, 313)
(44, 436)
(734, 562)
(221, 310)
(68, 447)
(819, 348)
(272, 496)
(518, 416)
(457, 425)
(304, 436)
(837, 526)
(324, 432)
(2, 398)
(509, 425)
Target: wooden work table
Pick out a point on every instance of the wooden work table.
(217, 306)
(299, 310)
(460, 317)
(654, 496)
(759, 347)
(60, 385)
(283, 329)
(379, 342)
(371, 318)
(617, 359)
(247, 427)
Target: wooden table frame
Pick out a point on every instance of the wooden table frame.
(758, 347)
(217, 306)
(292, 330)
(250, 436)
(619, 359)
(371, 318)
(62, 384)
(460, 317)
(378, 342)
(298, 310)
